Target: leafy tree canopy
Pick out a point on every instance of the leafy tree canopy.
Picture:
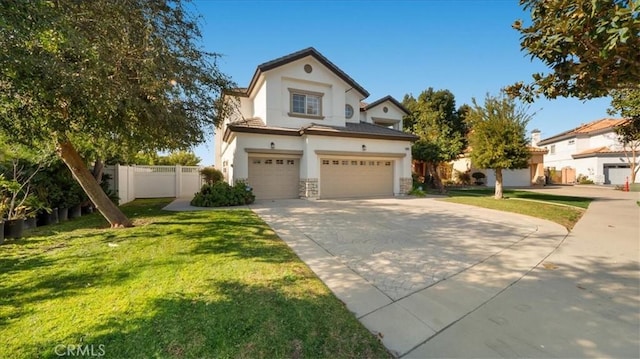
(591, 47)
(442, 129)
(434, 119)
(127, 72)
(498, 138)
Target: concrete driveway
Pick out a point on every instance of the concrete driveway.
(411, 269)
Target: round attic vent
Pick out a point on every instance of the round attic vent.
(385, 109)
(308, 68)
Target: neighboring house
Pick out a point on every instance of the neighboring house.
(534, 174)
(300, 131)
(591, 150)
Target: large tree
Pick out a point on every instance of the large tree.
(498, 136)
(627, 104)
(441, 127)
(126, 72)
(591, 47)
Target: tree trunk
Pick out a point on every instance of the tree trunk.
(498, 192)
(98, 169)
(633, 165)
(437, 182)
(85, 178)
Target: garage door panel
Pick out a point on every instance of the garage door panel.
(274, 178)
(355, 177)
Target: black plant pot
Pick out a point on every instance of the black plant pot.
(30, 222)
(45, 219)
(1, 231)
(75, 211)
(13, 228)
(63, 214)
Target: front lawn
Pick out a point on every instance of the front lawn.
(581, 202)
(565, 210)
(205, 284)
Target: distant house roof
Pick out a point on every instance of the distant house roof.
(598, 151)
(281, 61)
(591, 128)
(533, 150)
(358, 130)
(364, 106)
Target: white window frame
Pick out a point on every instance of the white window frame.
(307, 94)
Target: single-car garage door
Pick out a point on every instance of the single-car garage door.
(355, 177)
(616, 173)
(274, 178)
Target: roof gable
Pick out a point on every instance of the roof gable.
(381, 101)
(595, 127)
(310, 51)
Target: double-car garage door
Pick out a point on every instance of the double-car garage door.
(355, 177)
(279, 178)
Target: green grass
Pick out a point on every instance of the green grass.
(199, 284)
(581, 202)
(565, 210)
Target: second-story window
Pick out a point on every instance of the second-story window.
(552, 150)
(306, 103)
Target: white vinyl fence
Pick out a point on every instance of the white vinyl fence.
(131, 182)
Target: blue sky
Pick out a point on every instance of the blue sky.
(390, 48)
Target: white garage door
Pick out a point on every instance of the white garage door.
(274, 178)
(616, 174)
(355, 177)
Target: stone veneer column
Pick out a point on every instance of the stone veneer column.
(406, 184)
(308, 188)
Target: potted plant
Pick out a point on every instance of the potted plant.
(33, 207)
(13, 200)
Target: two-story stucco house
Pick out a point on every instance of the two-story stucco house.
(592, 150)
(301, 130)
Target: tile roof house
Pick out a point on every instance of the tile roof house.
(301, 130)
(591, 150)
(525, 177)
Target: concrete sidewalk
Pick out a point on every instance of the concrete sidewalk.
(583, 301)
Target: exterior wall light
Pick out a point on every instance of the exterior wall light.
(364, 147)
(273, 145)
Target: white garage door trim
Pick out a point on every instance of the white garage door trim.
(343, 177)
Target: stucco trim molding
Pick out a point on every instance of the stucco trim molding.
(274, 152)
(360, 154)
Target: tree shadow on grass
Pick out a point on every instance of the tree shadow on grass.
(235, 320)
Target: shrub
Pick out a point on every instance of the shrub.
(464, 177)
(211, 175)
(582, 179)
(417, 192)
(221, 194)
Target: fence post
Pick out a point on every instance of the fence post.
(116, 184)
(131, 177)
(178, 181)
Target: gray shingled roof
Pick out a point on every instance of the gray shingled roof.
(362, 129)
(386, 98)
